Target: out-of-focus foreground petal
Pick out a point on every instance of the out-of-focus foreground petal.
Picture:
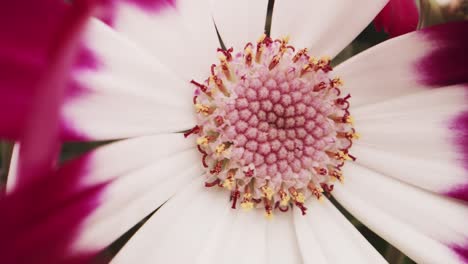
(38, 45)
(398, 17)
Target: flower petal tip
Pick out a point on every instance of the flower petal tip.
(461, 251)
(397, 18)
(446, 63)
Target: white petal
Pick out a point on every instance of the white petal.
(240, 21)
(333, 239)
(117, 56)
(407, 64)
(175, 234)
(131, 197)
(325, 27)
(421, 224)
(412, 139)
(282, 245)
(111, 161)
(126, 93)
(182, 37)
(103, 116)
(239, 238)
(13, 168)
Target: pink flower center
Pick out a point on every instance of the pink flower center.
(273, 127)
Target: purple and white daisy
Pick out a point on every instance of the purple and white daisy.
(270, 127)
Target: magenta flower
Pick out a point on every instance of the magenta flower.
(269, 128)
(38, 47)
(398, 17)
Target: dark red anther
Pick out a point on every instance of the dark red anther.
(194, 130)
(302, 207)
(268, 207)
(339, 166)
(281, 208)
(217, 168)
(195, 99)
(204, 160)
(201, 150)
(274, 62)
(234, 196)
(213, 66)
(343, 100)
(327, 188)
(337, 90)
(227, 53)
(321, 171)
(291, 48)
(202, 87)
(345, 117)
(257, 201)
(352, 157)
(320, 86)
(284, 210)
(212, 184)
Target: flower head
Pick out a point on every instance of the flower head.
(272, 124)
(152, 59)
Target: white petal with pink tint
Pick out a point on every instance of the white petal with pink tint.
(180, 226)
(240, 21)
(324, 230)
(324, 27)
(122, 59)
(421, 224)
(182, 37)
(128, 94)
(376, 74)
(410, 138)
(134, 195)
(103, 116)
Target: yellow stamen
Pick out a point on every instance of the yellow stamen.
(247, 203)
(205, 110)
(284, 198)
(343, 156)
(355, 135)
(262, 38)
(268, 192)
(300, 198)
(202, 141)
(228, 183)
(225, 67)
(349, 120)
(337, 82)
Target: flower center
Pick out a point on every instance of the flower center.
(272, 126)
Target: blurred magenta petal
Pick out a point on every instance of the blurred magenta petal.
(39, 41)
(40, 220)
(398, 17)
(38, 45)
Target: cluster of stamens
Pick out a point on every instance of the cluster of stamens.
(272, 126)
